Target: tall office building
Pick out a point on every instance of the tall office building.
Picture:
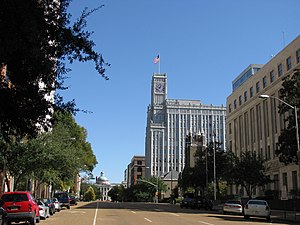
(169, 121)
(254, 124)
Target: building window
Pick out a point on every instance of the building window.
(279, 70)
(230, 130)
(240, 100)
(229, 107)
(251, 92)
(289, 63)
(234, 104)
(139, 162)
(264, 82)
(294, 180)
(298, 56)
(272, 77)
(245, 96)
(276, 182)
(139, 169)
(285, 180)
(257, 87)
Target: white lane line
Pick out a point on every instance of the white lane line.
(95, 217)
(133, 212)
(174, 214)
(148, 220)
(205, 223)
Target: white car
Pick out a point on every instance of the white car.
(233, 207)
(57, 204)
(257, 208)
(44, 210)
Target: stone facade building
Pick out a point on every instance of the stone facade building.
(254, 124)
(169, 121)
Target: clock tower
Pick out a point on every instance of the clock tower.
(159, 89)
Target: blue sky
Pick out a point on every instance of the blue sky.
(203, 46)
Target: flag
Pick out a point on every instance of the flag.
(156, 59)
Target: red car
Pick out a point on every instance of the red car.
(20, 206)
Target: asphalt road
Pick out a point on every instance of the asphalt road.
(108, 213)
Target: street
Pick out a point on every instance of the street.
(109, 213)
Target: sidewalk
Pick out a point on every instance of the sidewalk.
(286, 215)
(293, 216)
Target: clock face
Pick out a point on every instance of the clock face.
(159, 87)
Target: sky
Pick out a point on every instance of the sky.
(203, 47)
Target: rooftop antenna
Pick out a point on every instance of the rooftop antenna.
(283, 38)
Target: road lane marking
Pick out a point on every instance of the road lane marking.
(174, 214)
(133, 212)
(95, 217)
(205, 223)
(148, 220)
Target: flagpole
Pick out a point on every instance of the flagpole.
(159, 63)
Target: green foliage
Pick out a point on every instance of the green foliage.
(249, 172)
(55, 157)
(199, 178)
(287, 142)
(117, 193)
(90, 195)
(38, 41)
(246, 170)
(141, 192)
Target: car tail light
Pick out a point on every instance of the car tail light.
(29, 207)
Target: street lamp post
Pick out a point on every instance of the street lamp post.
(296, 122)
(215, 180)
(296, 116)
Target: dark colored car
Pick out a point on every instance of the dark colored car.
(50, 203)
(186, 203)
(200, 202)
(20, 206)
(73, 200)
(3, 214)
(63, 198)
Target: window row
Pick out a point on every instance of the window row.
(264, 82)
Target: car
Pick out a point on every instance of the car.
(200, 202)
(3, 214)
(63, 198)
(73, 200)
(186, 202)
(44, 210)
(233, 207)
(20, 206)
(50, 203)
(257, 208)
(56, 204)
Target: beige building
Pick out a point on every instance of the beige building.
(254, 124)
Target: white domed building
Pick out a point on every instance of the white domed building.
(104, 186)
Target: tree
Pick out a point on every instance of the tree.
(287, 143)
(56, 157)
(199, 177)
(249, 172)
(37, 39)
(90, 195)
